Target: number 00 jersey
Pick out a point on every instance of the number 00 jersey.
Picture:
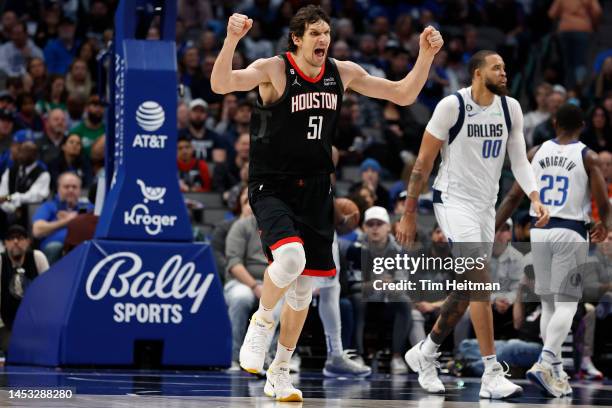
(293, 136)
(562, 180)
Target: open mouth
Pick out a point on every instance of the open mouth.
(319, 52)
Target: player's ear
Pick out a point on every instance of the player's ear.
(296, 40)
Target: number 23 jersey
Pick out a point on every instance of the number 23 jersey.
(562, 180)
(293, 136)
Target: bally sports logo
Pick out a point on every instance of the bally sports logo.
(150, 116)
(140, 214)
(121, 275)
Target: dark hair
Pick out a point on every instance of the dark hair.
(569, 117)
(237, 210)
(183, 138)
(49, 87)
(306, 15)
(478, 61)
(606, 117)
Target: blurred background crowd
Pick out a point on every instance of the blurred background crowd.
(52, 126)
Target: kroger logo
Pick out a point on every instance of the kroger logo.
(150, 116)
(140, 214)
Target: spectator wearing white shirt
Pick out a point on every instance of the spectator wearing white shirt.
(539, 115)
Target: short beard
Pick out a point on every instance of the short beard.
(500, 90)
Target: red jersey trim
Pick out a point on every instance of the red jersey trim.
(303, 75)
(318, 272)
(284, 241)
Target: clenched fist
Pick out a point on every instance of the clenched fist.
(238, 25)
(430, 40)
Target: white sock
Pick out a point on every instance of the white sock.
(586, 361)
(283, 354)
(489, 361)
(548, 357)
(557, 369)
(329, 312)
(264, 313)
(429, 347)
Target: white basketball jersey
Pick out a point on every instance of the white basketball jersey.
(474, 152)
(562, 180)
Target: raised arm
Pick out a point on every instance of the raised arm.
(224, 79)
(403, 92)
(599, 191)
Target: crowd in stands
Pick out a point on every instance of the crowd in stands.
(52, 126)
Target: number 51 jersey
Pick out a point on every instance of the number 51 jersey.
(293, 136)
(563, 180)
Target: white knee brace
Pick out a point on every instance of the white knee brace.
(289, 262)
(299, 294)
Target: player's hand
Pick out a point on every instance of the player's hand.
(541, 213)
(430, 41)
(599, 232)
(238, 25)
(406, 230)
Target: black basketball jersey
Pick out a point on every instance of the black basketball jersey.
(293, 136)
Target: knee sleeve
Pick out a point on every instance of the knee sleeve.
(289, 262)
(299, 294)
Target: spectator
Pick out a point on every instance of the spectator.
(533, 118)
(50, 220)
(95, 24)
(605, 161)
(227, 174)
(603, 81)
(25, 182)
(60, 52)
(47, 28)
(522, 351)
(37, 72)
(7, 126)
(19, 266)
(427, 303)
(78, 79)
(193, 173)
(206, 143)
(82, 227)
(9, 20)
(378, 242)
(55, 95)
(598, 133)
(577, 20)
(15, 54)
(200, 88)
(194, 14)
(182, 115)
(49, 144)
(71, 160)
(370, 177)
(545, 130)
(246, 264)
(87, 53)
(255, 46)
(240, 122)
(28, 117)
(190, 66)
(232, 195)
(92, 126)
(225, 122)
(221, 229)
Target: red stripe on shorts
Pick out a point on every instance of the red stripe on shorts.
(284, 241)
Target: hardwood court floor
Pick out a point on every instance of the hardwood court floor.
(187, 389)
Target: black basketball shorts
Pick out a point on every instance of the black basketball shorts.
(290, 209)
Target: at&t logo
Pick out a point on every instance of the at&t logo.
(150, 116)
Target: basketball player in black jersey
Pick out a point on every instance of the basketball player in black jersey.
(300, 96)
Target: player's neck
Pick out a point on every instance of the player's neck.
(564, 138)
(481, 95)
(307, 69)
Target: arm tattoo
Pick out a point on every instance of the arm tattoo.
(415, 186)
(453, 308)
